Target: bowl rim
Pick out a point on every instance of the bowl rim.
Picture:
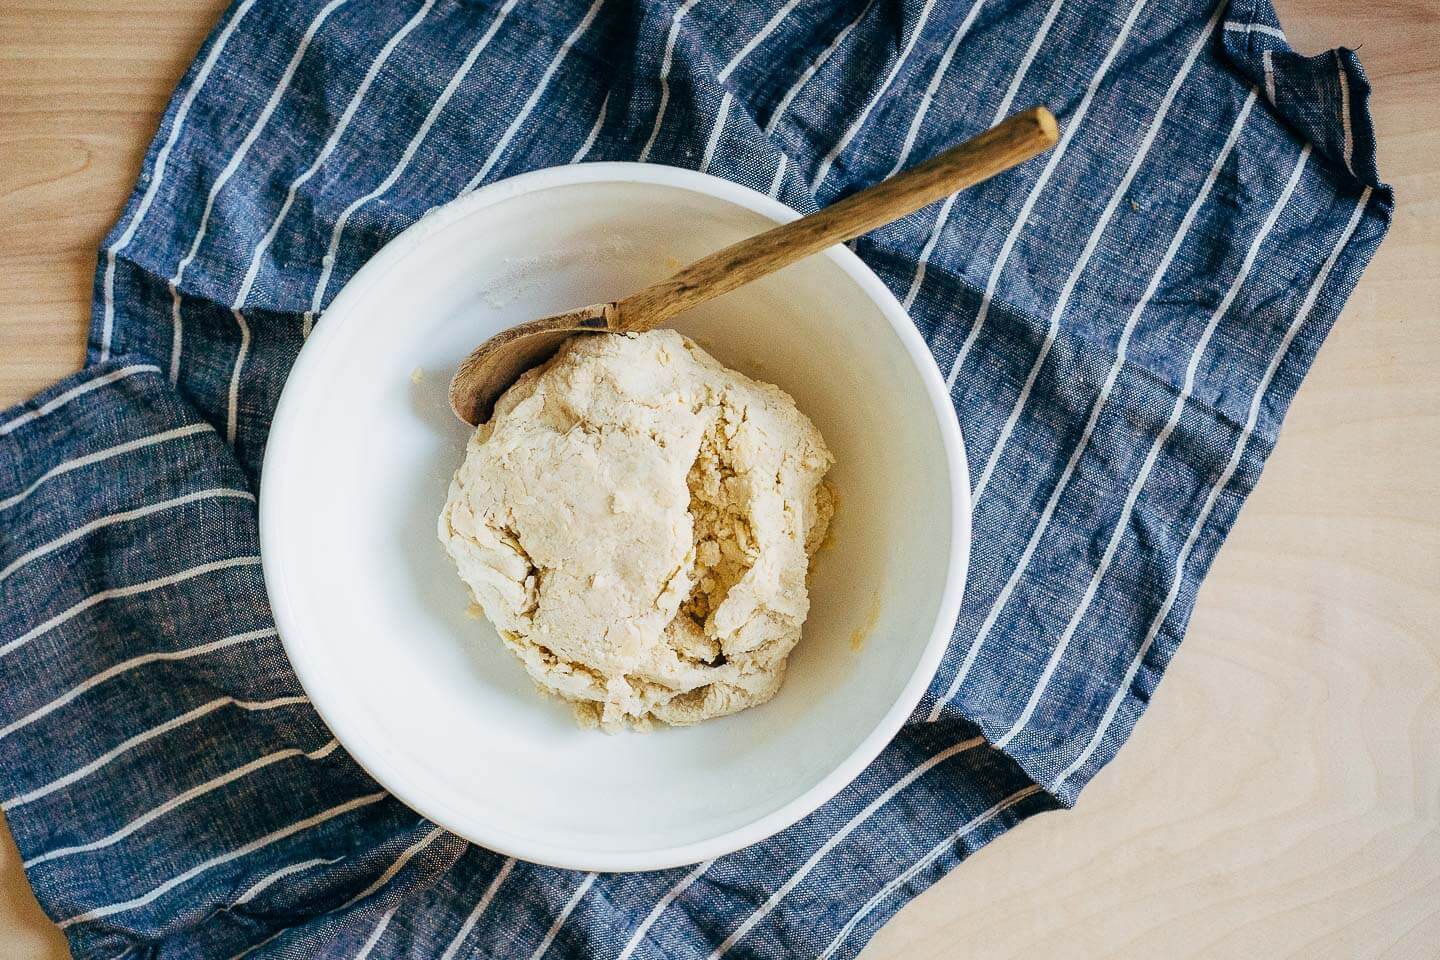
(285, 432)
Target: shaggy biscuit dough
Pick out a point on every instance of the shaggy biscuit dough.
(637, 521)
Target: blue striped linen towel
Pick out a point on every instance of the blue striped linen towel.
(1122, 323)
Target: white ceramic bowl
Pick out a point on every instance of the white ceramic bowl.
(373, 615)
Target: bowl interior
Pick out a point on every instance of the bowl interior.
(374, 616)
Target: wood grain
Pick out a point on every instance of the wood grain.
(1281, 798)
(1014, 140)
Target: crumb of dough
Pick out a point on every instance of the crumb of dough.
(637, 521)
(827, 536)
(872, 618)
(417, 375)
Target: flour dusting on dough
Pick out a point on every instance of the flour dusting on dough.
(637, 521)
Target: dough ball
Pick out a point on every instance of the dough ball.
(637, 521)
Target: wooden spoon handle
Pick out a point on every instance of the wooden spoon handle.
(1008, 144)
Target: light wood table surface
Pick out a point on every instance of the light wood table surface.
(1281, 797)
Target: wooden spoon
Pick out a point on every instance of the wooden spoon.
(494, 365)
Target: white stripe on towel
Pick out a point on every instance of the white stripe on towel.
(158, 176)
(814, 67)
(54, 404)
(928, 96)
(1096, 234)
(179, 800)
(232, 405)
(943, 216)
(376, 934)
(755, 41)
(836, 838)
(394, 869)
(779, 180)
(716, 131)
(1177, 579)
(195, 871)
(569, 908)
(1122, 523)
(534, 97)
(441, 101)
(1121, 352)
(127, 591)
(127, 666)
(485, 900)
(228, 171)
(102, 455)
(854, 129)
(909, 873)
(266, 881)
(1072, 125)
(121, 517)
(638, 936)
(1349, 142)
(594, 133)
(1236, 27)
(665, 65)
(130, 744)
